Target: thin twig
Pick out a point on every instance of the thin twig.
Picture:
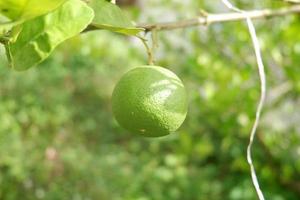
(219, 18)
(292, 1)
(213, 18)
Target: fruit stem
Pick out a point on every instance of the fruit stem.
(148, 49)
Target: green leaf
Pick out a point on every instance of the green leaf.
(38, 37)
(21, 10)
(110, 17)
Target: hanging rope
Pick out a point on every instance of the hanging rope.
(262, 75)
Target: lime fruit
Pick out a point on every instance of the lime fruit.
(150, 101)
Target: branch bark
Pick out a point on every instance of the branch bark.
(207, 19)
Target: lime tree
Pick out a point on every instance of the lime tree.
(150, 101)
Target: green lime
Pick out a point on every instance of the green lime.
(150, 101)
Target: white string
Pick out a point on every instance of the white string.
(262, 75)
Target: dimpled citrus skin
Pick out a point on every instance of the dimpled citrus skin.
(150, 101)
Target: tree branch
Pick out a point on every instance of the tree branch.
(207, 19)
(224, 17)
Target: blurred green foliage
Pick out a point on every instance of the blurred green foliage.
(58, 138)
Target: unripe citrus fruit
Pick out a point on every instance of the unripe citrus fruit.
(150, 101)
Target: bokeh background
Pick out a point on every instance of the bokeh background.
(59, 140)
